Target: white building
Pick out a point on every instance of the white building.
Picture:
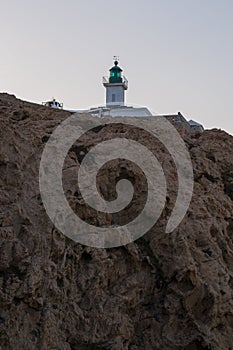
(53, 104)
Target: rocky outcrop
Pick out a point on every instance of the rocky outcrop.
(163, 291)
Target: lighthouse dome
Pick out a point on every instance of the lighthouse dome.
(115, 74)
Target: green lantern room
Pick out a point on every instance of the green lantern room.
(115, 74)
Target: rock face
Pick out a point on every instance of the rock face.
(163, 291)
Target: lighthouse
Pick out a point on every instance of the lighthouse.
(116, 85)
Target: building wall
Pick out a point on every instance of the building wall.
(178, 119)
(197, 128)
(115, 95)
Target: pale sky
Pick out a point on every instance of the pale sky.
(176, 54)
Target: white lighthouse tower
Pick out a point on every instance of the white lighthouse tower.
(115, 85)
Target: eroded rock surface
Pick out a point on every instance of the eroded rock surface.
(164, 291)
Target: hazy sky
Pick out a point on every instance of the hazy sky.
(176, 54)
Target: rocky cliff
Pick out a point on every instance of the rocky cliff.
(163, 291)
